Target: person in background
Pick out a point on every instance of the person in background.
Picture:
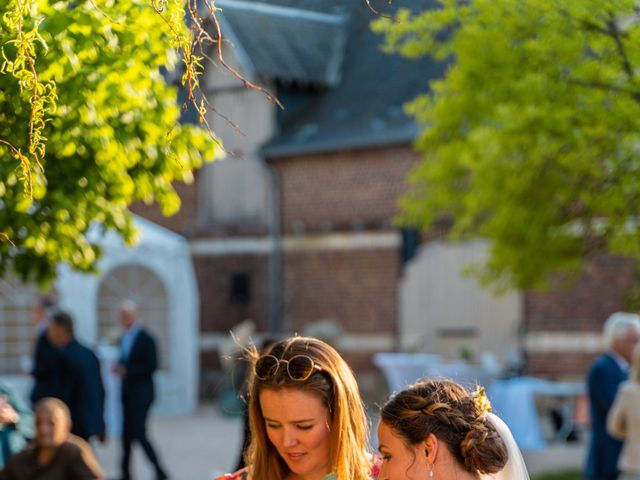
(265, 345)
(46, 358)
(623, 422)
(306, 414)
(81, 386)
(16, 423)
(621, 334)
(435, 429)
(55, 454)
(138, 362)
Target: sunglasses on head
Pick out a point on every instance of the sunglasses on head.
(299, 367)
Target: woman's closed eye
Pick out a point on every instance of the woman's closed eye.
(272, 425)
(304, 427)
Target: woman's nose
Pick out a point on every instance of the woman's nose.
(289, 438)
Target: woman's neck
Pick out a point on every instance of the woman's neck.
(312, 476)
(454, 470)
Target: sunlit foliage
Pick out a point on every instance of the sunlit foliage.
(88, 124)
(532, 138)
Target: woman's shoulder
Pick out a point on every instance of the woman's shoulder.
(629, 387)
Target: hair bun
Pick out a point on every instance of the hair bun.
(482, 449)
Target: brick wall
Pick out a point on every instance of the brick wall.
(344, 190)
(581, 307)
(559, 365)
(356, 288)
(214, 273)
(585, 305)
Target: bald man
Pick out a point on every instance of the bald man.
(55, 454)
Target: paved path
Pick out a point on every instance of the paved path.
(192, 448)
(198, 446)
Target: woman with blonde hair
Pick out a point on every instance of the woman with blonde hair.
(306, 415)
(435, 429)
(623, 421)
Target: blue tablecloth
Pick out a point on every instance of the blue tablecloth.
(513, 400)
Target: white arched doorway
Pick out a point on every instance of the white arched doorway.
(146, 289)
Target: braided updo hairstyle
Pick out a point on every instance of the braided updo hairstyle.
(447, 410)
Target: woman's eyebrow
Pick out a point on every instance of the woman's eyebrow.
(302, 420)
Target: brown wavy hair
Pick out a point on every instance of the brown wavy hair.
(336, 386)
(444, 408)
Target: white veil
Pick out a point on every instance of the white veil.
(515, 469)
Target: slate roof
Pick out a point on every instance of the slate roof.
(290, 44)
(365, 107)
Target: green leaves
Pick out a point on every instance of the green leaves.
(108, 119)
(532, 138)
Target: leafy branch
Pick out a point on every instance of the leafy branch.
(42, 95)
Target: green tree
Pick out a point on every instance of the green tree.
(531, 139)
(88, 125)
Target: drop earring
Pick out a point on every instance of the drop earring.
(431, 476)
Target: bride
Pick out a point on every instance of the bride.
(436, 430)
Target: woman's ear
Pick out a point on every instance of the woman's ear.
(430, 448)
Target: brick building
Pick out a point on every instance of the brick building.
(295, 229)
(296, 226)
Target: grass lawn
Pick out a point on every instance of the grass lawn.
(568, 475)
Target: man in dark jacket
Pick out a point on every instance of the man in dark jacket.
(138, 361)
(621, 332)
(46, 358)
(81, 386)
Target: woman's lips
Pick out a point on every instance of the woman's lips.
(295, 455)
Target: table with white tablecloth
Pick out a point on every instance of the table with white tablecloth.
(513, 399)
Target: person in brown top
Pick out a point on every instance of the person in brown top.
(55, 454)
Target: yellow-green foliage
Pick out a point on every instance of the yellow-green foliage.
(88, 125)
(531, 140)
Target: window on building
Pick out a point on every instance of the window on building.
(240, 291)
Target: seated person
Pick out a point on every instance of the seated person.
(55, 454)
(16, 423)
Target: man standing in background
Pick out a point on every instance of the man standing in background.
(138, 362)
(621, 333)
(81, 386)
(46, 358)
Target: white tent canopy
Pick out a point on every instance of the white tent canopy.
(158, 275)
